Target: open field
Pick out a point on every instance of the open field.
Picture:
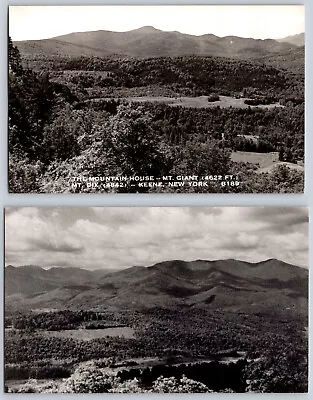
(266, 161)
(90, 334)
(193, 102)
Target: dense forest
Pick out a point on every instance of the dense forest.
(78, 117)
(188, 75)
(188, 343)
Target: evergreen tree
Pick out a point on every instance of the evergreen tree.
(14, 58)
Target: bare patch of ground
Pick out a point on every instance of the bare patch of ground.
(193, 102)
(90, 334)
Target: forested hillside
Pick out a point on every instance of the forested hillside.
(200, 326)
(101, 117)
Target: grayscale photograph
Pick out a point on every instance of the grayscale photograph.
(156, 300)
(156, 99)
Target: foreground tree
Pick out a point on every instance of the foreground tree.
(285, 373)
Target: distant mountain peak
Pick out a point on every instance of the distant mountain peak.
(146, 28)
(270, 260)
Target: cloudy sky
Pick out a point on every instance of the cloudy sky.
(106, 237)
(42, 22)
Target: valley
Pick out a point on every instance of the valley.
(217, 321)
(181, 100)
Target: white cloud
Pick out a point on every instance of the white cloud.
(122, 237)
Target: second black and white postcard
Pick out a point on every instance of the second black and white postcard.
(156, 300)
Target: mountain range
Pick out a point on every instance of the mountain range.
(151, 42)
(226, 284)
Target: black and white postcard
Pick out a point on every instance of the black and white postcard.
(156, 99)
(156, 300)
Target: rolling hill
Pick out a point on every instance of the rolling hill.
(291, 59)
(230, 284)
(30, 279)
(151, 42)
(297, 40)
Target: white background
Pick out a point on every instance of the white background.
(16, 200)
